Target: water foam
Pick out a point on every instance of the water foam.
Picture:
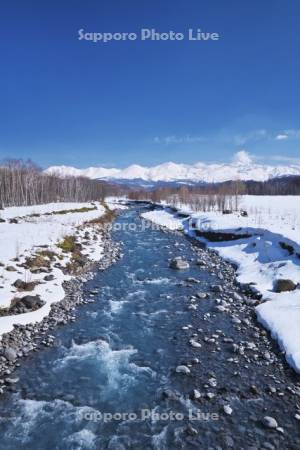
(31, 416)
(159, 440)
(116, 305)
(114, 366)
(83, 439)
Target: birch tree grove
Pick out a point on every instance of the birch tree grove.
(218, 196)
(23, 183)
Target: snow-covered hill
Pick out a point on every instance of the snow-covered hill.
(241, 168)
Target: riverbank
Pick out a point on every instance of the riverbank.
(263, 243)
(57, 271)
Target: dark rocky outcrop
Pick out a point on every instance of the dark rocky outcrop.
(215, 236)
(283, 285)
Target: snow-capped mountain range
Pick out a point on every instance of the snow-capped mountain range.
(242, 167)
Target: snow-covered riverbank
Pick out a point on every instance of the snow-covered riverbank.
(31, 253)
(269, 253)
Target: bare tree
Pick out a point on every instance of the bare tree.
(24, 183)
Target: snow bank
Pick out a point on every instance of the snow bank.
(20, 240)
(50, 292)
(260, 258)
(21, 211)
(114, 203)
(282, 317)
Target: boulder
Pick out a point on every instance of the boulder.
(195, 344)
(19, 284)
(220, 308)
(11, 380)
(179, 264)
(37, 270)
(170, 395)
(191, 431)
(192, 280)
(269, 422)
(32, 301)
(227, 410)
(283, 285)
(10, 354)
(49, 277)
(195, 395)
(24, 286)
(200, 262)
(217, 288)
(183, 369)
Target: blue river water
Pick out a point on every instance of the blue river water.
(109, 381)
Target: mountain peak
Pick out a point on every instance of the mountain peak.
(242, 167)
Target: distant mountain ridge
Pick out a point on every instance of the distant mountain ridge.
(241, 168)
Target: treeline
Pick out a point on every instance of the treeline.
(289, 185)
(277, 186)
(22, 183)
(218, 196)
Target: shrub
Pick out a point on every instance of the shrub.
(68, 244)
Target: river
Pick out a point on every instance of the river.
(109, 382)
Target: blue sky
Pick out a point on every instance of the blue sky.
(65, 101)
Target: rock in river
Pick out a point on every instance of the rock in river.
(269, 422)
(227, 410)
(183, 369)
(179, 263)
(195, 344)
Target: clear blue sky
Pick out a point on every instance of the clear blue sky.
(65, 101)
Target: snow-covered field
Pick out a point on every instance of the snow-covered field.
(20, 240)
(261, 260)
(21, 211)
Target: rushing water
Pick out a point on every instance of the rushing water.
(117, 358)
